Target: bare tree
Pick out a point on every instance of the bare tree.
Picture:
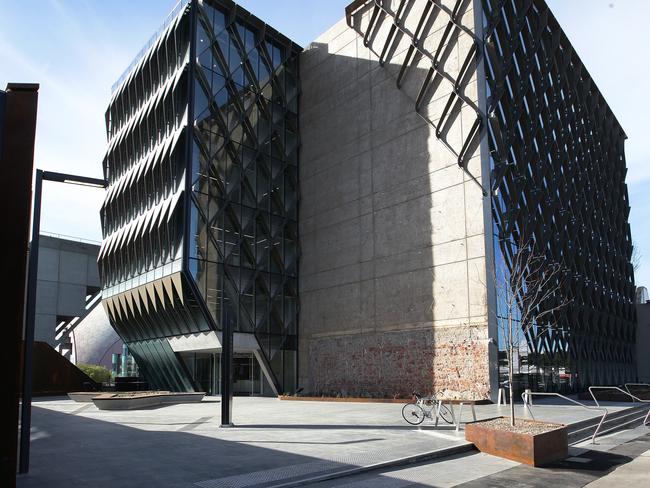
(527, 292)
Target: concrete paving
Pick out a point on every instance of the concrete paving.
(274, 442)
(445, 473)
(481, 470)
(583, 467)
(634, 473)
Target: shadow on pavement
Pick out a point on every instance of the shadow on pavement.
(70, 450)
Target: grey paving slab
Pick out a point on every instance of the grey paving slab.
(442, 473)
(478, 469)
(273, 442)
(181, 445)
(573, 472)
(636, 473)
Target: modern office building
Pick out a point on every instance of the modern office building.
(200, 219)
(344, 206)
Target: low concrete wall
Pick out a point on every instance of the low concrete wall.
(145, 400)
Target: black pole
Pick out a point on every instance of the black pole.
(30, 312)
(226, 373)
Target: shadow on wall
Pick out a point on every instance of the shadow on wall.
(392, 230)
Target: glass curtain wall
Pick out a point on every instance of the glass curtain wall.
(200, 216)
(243, 251)
(248, 379)
(558, 182)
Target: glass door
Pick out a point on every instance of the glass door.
(203, 373)
(246, 375)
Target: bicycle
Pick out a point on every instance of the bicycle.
(421, 407)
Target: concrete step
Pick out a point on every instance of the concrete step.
(628, 417)
(325, 470)
(332, 469)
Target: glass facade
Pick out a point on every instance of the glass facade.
(558, 181)
(243, 253)
(200, 217)
(248, 379)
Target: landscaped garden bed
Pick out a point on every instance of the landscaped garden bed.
(529, 441)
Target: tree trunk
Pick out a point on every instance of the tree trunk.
(511, 372)
(512, 398)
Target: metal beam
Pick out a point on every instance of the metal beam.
(74, 179)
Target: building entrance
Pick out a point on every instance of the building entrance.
(248, 378)
(247, 375)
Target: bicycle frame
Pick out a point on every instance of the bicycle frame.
(427, 404)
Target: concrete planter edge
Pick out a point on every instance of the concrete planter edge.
(114, 402)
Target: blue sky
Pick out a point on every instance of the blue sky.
(76, 49)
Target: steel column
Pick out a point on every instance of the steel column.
(30, 313)
(226, 373)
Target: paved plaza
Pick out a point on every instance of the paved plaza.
(621, 459)
(274, 443)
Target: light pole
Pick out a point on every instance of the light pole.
(30, 307)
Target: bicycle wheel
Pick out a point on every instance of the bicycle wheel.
(445, 414)
(413, 413)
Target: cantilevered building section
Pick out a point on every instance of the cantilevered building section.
(200, 218)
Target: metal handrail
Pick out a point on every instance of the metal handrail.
(627, 385)
(525, 397)
(634, 397)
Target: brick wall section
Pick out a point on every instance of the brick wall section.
(446, 362)
(461, 363)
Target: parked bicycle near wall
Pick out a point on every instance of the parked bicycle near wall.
(421, 407)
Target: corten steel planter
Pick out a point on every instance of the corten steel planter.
(532, 449)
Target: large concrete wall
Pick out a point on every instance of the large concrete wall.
(66, 269)
(392, 274)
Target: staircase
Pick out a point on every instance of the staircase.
(626, 418)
